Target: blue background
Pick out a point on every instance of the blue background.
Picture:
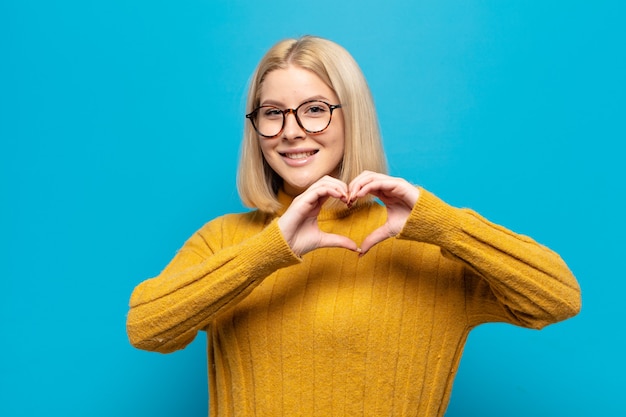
(120, 124)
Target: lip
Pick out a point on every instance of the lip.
(298, 157)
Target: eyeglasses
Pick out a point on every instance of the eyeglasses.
(313, 116)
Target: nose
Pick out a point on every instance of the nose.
(292, 129)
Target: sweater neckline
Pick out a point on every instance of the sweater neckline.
(327, 213)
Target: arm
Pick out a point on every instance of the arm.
(208, 276)
(166, 312)
(510, 277)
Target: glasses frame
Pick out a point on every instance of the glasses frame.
(250, 116)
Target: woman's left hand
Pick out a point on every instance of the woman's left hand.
(398, 195)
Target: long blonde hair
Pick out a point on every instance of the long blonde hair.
(257, 182)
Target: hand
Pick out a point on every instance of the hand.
(398, 195)
(299, 223)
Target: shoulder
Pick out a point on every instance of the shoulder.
(253, 218)
(236, 220)
(230, 228)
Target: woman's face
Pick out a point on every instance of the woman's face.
(298, 157)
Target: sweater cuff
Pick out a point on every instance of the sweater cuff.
(430, 220)
(269, 251)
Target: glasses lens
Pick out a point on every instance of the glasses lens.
(314, 116)
(268, 120)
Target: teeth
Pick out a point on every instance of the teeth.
(299, 155)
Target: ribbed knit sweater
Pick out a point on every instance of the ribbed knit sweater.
(333, 334)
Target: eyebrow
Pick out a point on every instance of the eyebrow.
(281, 104)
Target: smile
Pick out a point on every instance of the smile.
(298, 155)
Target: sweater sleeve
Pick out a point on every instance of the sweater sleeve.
(167, 311)
(508, 277)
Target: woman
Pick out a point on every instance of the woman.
(321, 301)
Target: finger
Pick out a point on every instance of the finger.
(377, 185)
(329, 186)
(360, 177)
(356, 185)
(315, 196)
(330, 240)
(389, 188)
(374, 238)
(372, 183)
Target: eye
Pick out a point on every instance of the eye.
(271, 113)
(316, 109)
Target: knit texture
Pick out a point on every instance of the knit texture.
(334, 334)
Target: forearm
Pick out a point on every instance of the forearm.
(529, 280)
(167, 311)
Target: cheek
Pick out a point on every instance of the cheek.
(339, 142)
(265, 150)
(269, 157)
(340, 135)
(338, 152)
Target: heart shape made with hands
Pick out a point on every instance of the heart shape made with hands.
(299, 222)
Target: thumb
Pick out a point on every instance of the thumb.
(330, 240)
(374, 238)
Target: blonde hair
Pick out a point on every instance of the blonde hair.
(257, 182)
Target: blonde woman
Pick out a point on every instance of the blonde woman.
(322, 301)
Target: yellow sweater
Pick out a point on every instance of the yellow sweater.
(334, 334)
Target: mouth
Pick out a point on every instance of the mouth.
(298, 155)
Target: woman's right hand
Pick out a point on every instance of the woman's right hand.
(299, 223)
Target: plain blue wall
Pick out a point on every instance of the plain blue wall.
(120, 124)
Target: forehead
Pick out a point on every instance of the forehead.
(292, 85)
